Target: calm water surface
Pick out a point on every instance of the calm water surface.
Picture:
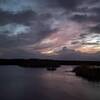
(17, 83)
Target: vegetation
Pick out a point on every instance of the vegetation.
(91, 73)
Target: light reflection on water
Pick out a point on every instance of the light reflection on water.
(17, 83)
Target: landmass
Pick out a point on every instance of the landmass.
(89, 70)
(91, 73)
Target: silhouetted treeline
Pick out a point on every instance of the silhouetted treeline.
(85, 69)
(44, 62)
(91, 73)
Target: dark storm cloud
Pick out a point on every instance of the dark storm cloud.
(17, 33)
(21, 18)
(85, 18)
(96, 10)
(9, 42)
(79, 18)
(84, 15)
(11, 23)
(29, 37)
(39, 17)
(81, 10)
(70, 4)
(20, 5)
(35, 6)
(18, 53)
(95, 29)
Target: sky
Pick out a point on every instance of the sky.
(50, 29)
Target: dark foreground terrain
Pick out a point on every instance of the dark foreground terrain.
(85, 69)
(91, 73)
(45, 63)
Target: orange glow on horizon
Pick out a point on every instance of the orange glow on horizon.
(88, 49)
(48, 51)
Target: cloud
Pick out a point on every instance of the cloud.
(95, 29)
(48, 24)
(14, 29)
(80, 18)
(24, 17)
(70, 4)
(68, 54)
(28, 27)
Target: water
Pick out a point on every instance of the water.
(17, 83)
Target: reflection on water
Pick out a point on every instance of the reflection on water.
(17, 83)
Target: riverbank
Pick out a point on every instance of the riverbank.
(91, 73)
